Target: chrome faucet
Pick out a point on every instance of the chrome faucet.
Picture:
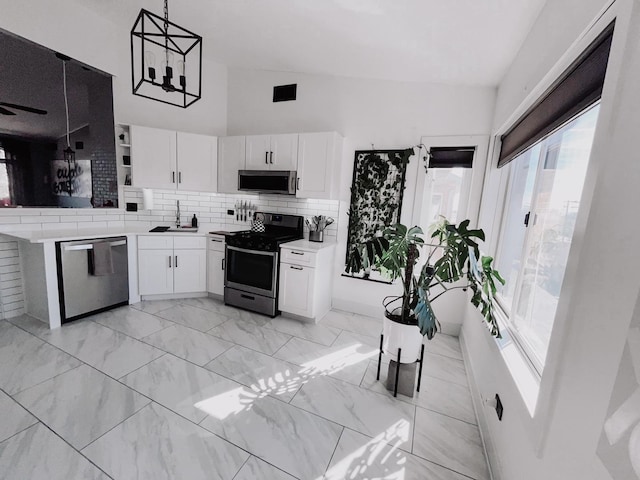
(178, 213)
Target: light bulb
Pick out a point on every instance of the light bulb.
(181, 69)
(167, 66)
(150, 62)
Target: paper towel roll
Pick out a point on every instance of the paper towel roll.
(147, 199)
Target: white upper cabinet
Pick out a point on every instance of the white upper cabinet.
(319, 157)
(272, 152)
(197, 162)
(231, 158)
(153, 153)
(173, 160)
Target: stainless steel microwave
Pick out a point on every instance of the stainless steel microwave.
(281, 182)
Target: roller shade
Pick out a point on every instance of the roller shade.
(577, 88)
(451, 157)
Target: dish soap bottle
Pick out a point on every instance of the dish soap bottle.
(194, 221)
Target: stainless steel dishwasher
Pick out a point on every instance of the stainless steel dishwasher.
(81, 291)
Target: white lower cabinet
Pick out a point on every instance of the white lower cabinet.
(304, 287)
(215, 262)
(169, 265)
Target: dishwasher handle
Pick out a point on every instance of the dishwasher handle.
(89, 246)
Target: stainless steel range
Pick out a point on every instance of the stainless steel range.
(251, 273)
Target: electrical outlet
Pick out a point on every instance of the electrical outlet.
(499, 407)
(230, 212)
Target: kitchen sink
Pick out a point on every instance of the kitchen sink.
(174, 229)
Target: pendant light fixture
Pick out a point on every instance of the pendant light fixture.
(69, 153)
(177, 79)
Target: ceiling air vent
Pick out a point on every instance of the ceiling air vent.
(285, 93)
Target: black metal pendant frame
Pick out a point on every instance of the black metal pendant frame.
(151, 30)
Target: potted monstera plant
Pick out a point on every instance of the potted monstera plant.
(449, 259)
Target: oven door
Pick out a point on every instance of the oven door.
(252, 271)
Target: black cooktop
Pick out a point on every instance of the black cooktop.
(278, 229)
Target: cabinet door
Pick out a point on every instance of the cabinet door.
(231, 158)
(285, 152)
(153, 158)
(296, 289)
(155, 270)
(215, 272)
(315, 165)
(197, 162)
(190, 271)
(257, 152)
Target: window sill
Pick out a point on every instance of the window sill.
(526, 379)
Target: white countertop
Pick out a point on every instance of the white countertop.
(307, 246)
(43, 236)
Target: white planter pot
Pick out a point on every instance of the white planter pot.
(397, 335)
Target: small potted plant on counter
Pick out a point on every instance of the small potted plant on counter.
(453, 261)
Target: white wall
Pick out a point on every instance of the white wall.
(383, 113)
(600, 292)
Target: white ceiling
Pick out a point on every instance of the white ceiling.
(469, 42)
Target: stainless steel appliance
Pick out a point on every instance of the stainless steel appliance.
(81, 291)
(251, 273)
(268, 181)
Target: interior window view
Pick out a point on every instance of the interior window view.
(334, 240)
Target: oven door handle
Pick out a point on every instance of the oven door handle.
(253, 252)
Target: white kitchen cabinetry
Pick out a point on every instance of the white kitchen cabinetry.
(215, 262)
(168, 265)
(305, 279)
(272, 152)
(231, 158)
(172, 160)
(319, 156)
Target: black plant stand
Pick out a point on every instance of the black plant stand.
(420, 360)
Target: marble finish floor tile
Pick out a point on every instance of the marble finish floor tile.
(154, 306)
(82, 404)
(157, 444)
(293, 440)
(178, 385)
(438, 395)
(131, 321)
(250, 335)
(446, 345)
(346, 360)
(26, 360)
(352, 322)
(256, 469)
(37, 453)
(451, 443)
(260, 372)
(321, 334)
(358, 457)
(109, 351)
(192, 317)
(444, 368)
(357, 408)
(192, 345)
(218, 306)
(14, 417)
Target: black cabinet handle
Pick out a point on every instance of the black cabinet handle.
(296, 268)
(169, 261)
(179, 177)
(266, 158)
(296, 253)
(298, 183)
(271, 157)
(223, 264)
(173, 177)
(176, 261)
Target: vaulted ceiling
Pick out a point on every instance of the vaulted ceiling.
(468, 42)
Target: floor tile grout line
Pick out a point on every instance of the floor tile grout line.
(445, 467)
(335, 448)
(241, 467)
(24, 429)
(117, 425)
(40, 422)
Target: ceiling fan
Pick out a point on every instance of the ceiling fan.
(24, 108)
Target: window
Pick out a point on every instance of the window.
(543, 197)
(445, 191)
